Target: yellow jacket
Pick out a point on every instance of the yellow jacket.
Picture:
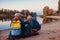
(16, 24)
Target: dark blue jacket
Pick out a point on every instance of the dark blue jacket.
(34, 24)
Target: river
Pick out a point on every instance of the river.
(6, 24)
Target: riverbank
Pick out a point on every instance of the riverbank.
(49, 31)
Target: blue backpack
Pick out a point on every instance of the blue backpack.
(34, 24)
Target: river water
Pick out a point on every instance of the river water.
(6, 24)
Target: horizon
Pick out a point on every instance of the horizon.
(31, 5)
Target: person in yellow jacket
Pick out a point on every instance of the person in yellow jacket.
(18, 28)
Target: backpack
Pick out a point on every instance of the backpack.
(34, 24)
(16, 24)
(16, 27)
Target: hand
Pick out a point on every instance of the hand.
(35, 30)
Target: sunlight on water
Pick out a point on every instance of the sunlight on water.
(6, 24)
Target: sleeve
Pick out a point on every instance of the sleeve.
(23, 26)
(30, 21)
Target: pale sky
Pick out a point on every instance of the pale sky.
(32, 5)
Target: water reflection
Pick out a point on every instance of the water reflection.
(40, 20)
(6, 24)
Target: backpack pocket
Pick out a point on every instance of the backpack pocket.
(16, 31)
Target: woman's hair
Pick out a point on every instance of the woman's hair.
(30, 14)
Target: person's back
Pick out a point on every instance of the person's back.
(32, 24)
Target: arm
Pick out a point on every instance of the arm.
(30, 22)
(23, 25)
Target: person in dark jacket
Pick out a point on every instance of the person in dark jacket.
(34, 25)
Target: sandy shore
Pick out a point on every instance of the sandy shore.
(49, 31)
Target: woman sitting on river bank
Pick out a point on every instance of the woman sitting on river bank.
(32, 26)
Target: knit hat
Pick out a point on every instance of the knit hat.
(18, 14)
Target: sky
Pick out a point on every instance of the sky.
(32, 5)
